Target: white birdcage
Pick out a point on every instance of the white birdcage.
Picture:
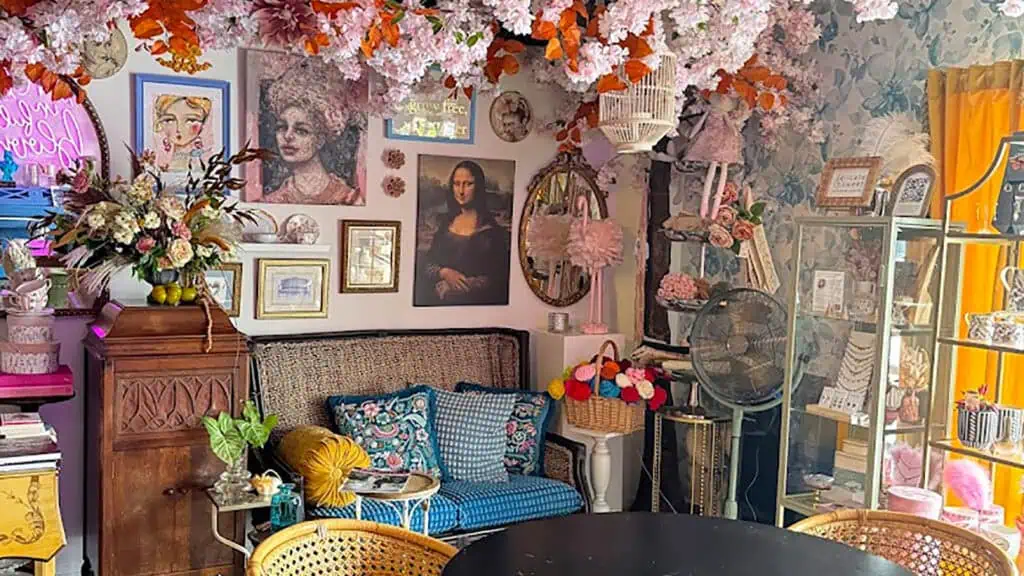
(635, 119)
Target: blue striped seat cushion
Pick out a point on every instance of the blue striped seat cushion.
(488, 504)
(443, 514)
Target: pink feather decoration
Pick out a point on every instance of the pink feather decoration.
(547, 236)
(970, 482)
(595, 244)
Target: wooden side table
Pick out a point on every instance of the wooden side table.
(220, 504)
(417, 493)
(600, 466)
(30, 524)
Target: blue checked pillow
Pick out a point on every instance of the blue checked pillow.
(471, 435)
(525, 429)
(396, 430)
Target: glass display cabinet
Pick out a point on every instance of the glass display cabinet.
(862, 307)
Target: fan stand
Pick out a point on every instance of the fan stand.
(731, 510)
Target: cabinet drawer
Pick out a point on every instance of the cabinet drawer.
(161, 401)
(159, 516)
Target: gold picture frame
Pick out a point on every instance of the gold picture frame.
(848, 182)
(234, 310)
(309, 300)
(369, 249)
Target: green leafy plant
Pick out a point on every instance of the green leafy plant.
(229, 436)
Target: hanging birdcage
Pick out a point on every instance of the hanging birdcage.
(635, 119)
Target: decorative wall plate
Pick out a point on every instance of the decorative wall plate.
(301, 229)
(511, 116)
(104, 59)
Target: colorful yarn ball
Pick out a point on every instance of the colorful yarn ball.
(629, 395)
(608, 389)
(623, 381)
(609, 369)
(585, 373)
(577, 390)
(659, 398)
(556, 389)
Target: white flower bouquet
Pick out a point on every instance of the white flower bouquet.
(107, 226)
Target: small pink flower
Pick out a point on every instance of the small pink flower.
(393, 158)
(370, 409)
(510, 428)
(284, 22)
(80, 181)
(180, 229)
(726, 216)
(394, 461)
(145, 244)
(742, 230)
(730, 194)
(719, 236)
(393, 186)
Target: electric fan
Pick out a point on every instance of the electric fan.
(738, 349)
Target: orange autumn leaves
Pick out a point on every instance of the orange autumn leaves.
(166, 28)
(755, 84)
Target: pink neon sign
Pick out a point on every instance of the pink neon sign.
(38, 130)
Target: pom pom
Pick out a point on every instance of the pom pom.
(623, 381)
(625, 365)
(970, 482)
(659, 398)
(650, 374)
(577, 390)
(585, 373)
(595, 244)
(609, 370)
(608, 389)
(630, 395)
(645, 389)
(547, 236)
(556, 389)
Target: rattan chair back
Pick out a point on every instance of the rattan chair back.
(925, 547)
(349, 548)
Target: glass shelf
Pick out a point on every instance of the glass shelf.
(1013, 460)
(976, 238)
(858, 420)
(812, 504)
(981, 345)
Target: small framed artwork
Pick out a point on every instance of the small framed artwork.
(184, 121)
(828, 293)
(511, 116)
(848, 182)
(224, 284)
(434, 114)
(912, 192)
(370, 254)
(292, 288)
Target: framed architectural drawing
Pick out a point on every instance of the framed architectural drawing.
(370, 254)
(292, 288)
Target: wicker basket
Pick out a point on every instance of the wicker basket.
(605, 414)
(349, 547)
(925, 547)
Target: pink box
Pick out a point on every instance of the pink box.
(59, 383)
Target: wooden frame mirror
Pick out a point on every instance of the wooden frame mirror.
(552, 192)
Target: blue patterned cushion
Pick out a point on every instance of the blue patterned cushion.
(525, 429)
(471, 435)
(483, 505)
(443, 516)
(396, 430)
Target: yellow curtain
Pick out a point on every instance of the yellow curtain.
(969, 111)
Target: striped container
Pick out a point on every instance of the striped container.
(977, 428)
(29, 358)
(30, 328)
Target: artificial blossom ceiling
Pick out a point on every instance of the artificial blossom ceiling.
(751, 49)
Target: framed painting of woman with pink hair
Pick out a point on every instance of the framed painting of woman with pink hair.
(183, 121)
(314, 121)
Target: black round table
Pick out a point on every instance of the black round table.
(645, 544)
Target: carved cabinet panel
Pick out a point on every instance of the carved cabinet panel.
(166, 402)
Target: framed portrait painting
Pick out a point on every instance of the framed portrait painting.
(184, 121)
(292, 288)
(314, 121)
(225, 286)
(370, 252)
(463, 231)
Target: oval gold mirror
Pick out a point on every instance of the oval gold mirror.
(552, 199)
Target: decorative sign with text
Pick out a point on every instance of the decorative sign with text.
(38, 130)
(438, 115)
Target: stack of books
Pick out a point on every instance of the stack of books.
(27, 443)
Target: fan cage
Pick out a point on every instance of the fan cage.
(635, 119)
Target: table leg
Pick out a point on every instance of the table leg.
(359, 507)
(426, 517)
(601, 473)
(48, 568)
(216, 535)
(406, 515)
(656, 465)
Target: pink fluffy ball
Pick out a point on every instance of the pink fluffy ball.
(596, 244)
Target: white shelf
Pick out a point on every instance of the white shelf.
(282, 248)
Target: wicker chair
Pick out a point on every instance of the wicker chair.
(923, 546)
(349, 548)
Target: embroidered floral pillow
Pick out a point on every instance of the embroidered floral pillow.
(396, 430)
(526, 426)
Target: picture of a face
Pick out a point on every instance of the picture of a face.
(180, 124)
(463, 186)
(297, 137)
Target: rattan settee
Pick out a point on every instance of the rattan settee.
(293, 375)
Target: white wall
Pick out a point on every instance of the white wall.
(113, 101)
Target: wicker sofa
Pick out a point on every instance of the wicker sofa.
(293, 375)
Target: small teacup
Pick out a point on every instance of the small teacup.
(1008, 329)
(34, 293)
(980, 327)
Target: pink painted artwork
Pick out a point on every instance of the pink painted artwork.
(182, 131)
(37, 130)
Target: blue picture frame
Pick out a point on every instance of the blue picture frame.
(139, 83)
(390, 134)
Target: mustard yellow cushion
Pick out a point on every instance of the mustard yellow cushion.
(324, 460)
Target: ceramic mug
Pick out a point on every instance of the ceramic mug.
(1013, 282)
(1008, 330)
(30, 295)
(980, 327)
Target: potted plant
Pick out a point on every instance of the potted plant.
(229, 440)
(977, 420)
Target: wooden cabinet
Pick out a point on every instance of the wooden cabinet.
(153, 372)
